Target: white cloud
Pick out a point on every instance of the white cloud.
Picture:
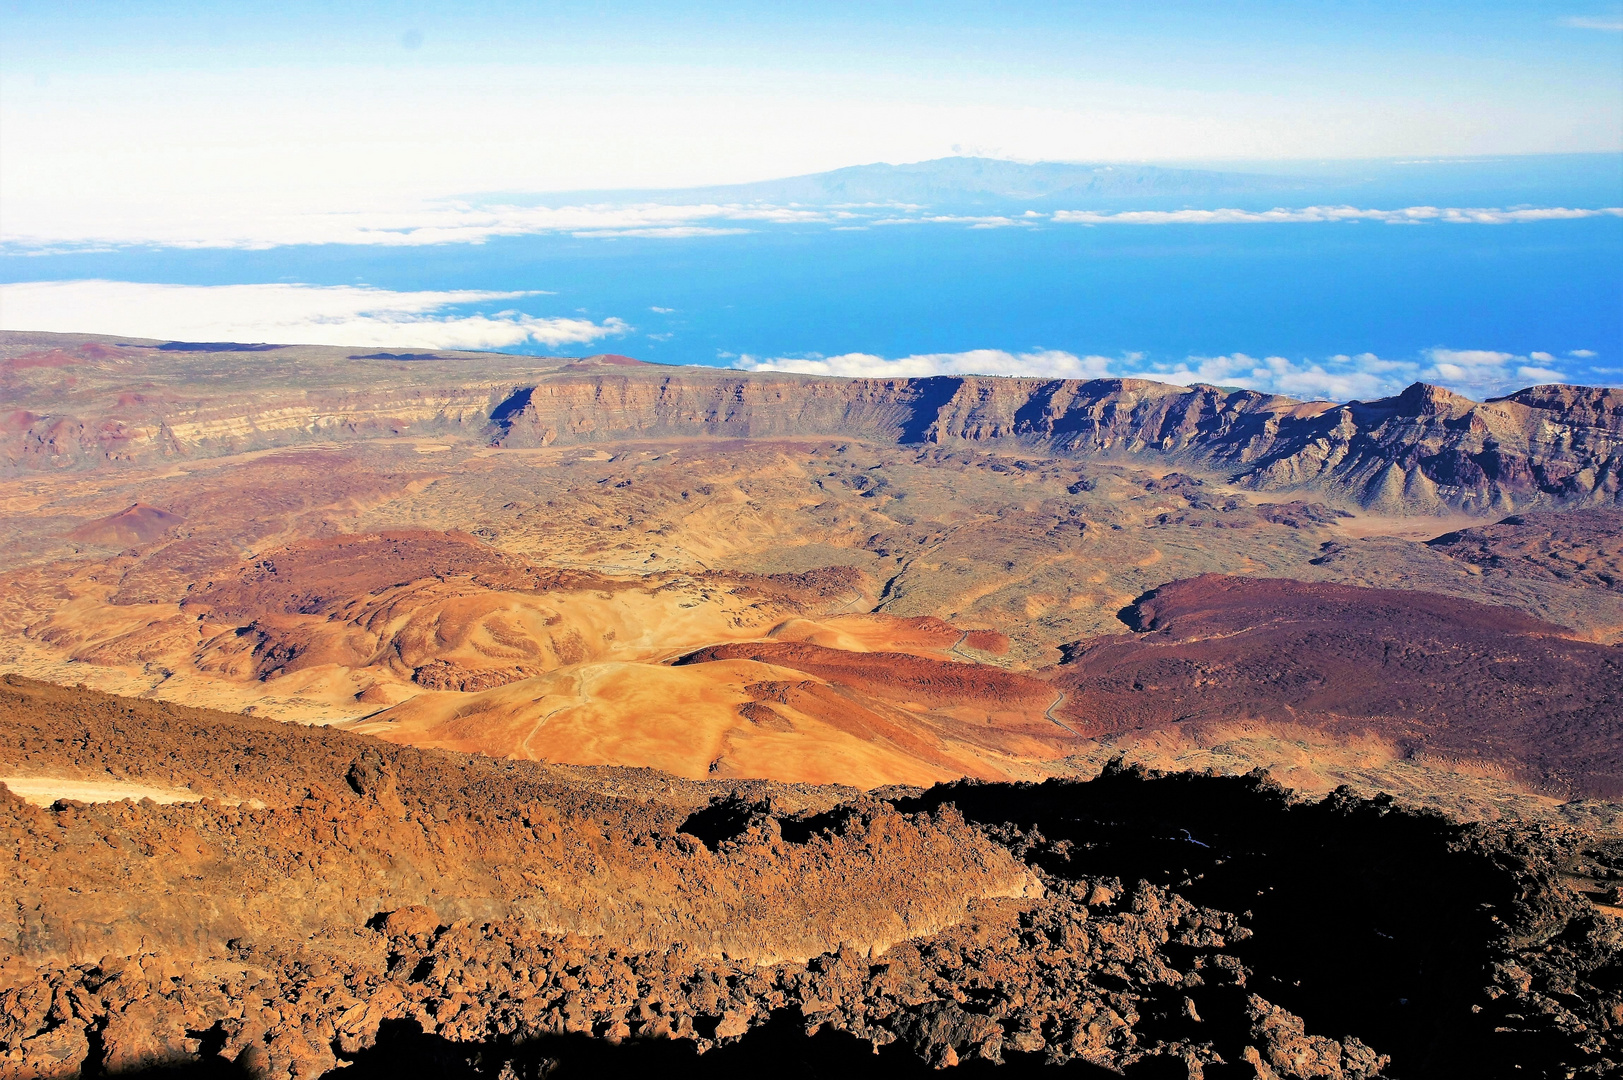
(1488, 372)
(1412, 215)
(1340, 378)
(671, 232)
(1477, 373)
(1583, 22)
(403, 225)
(290, 314)
(1539, 374)
(1462, 359)
(407, 223)
(1044, 363)
(989, 221)
(661, 310)
(1582, 354)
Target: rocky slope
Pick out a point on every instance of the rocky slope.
(81, 403)
(1582, 550)
(397, 912)
(298, 829)
(1434, 675)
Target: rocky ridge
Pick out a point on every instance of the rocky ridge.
(83, 403)
(300, 829)
(1424, 450)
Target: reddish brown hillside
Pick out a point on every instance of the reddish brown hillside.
(1436, 675)
(1580, 548)
(318, 575)
(140, 524)
(888, 674)
(297, 828)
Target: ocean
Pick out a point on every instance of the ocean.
(1141, 293)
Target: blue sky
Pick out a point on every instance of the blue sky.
(185, 128)
(148, 108)
(556, 96)
(1197, 44)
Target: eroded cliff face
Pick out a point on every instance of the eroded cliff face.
(78, 402)
(1429, 448)
(148, 432)
(1424, 451)
(81, 403)
(1066, 415)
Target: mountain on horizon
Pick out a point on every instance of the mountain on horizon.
(949, 181)
(964, 182)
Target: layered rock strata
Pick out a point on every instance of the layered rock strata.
(86, 403)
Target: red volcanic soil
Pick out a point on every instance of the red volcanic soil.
(1436, 675)
(1576, 547)
(140, 524)
(48, 358)
(987, 641)
(890, 675)
(321, 575)
(97, 351)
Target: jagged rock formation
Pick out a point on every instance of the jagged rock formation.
(1418, 452)
(1186, 925)
(81, 405)
(296, 830)
(1428, 448)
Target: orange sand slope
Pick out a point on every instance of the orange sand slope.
(464, 646)
(800, 712)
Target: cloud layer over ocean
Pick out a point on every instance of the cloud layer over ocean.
(479, 319)
(292, 314)
(1409, 215)
(453, 222)
(1476, 373)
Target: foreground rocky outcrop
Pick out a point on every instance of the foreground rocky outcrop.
(86, 403)
(383, 912)
(1051, 981)
(297, 830)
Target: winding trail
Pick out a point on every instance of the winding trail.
(1049, 712)
(846, 607)
(580, 695)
